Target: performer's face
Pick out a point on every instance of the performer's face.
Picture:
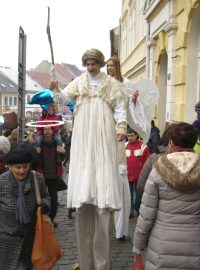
(111, 68)
(92, 67)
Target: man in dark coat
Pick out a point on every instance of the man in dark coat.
(50, 166)
(154, 139)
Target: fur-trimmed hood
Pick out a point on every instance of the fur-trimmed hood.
(181, 170)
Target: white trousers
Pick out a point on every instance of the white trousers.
(122, 216)
(93, 233)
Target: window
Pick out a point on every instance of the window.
(143, 22)
(28, 98)
(10, 101)
(6, 101)
(15, 101)
(123, 42)
(132, 30)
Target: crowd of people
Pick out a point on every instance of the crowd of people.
(114, 175)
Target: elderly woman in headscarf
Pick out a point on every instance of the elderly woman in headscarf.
(18, 210)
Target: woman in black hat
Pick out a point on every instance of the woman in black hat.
(18, 209)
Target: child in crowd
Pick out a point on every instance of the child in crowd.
(48, 113)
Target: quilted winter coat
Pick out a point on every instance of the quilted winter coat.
(169, 222)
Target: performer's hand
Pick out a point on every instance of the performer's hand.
(52, 85)
(121, 137)
(135, 96)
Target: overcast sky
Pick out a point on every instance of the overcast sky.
(76, 25)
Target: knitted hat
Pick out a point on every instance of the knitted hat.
(4, 144)
(197, 107)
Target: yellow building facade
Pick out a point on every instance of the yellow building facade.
(166, 50)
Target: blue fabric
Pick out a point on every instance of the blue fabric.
(44, 107)
(42, 98)
(57, 138)
(71, 106)
(39, 139)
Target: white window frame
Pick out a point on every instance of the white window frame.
(6, 100)
(132, 28)
(143, 21)
(10, 101)
(124, 42)
(28, 98)
(15, 101)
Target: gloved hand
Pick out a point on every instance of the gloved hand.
(45, 208)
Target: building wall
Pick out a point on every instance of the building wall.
(170, 54)
(133, 61)
(45, 67)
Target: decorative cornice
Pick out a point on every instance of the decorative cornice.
(171, 25)
(151, 42)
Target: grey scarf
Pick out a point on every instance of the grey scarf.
(22, 213)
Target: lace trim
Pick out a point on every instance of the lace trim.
(109, 89)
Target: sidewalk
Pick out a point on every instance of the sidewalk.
(121, 250)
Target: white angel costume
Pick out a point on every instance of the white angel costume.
(93, 183)
(139, 115)
(93, 173)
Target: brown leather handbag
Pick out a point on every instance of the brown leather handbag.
(46, 248)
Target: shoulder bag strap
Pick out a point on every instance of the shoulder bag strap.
(37, 190)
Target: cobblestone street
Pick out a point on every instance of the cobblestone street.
(121, 250)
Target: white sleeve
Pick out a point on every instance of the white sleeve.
(65, 97)
(70, 92)
(120, 112)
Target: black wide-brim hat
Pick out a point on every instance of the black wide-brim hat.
(20, 154)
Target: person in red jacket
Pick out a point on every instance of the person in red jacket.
(136, 153)
(48, 114)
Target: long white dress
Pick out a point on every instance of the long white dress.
(93, 173)
(122, 216)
